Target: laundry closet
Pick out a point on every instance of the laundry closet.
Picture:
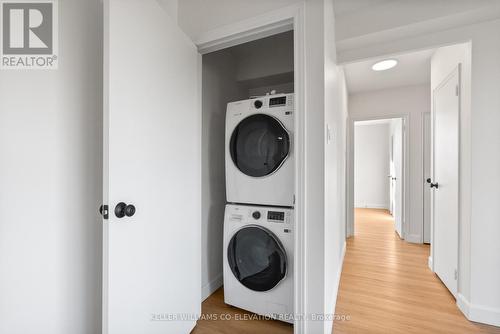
(256, 79)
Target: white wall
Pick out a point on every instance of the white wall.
(51, 185)
(484, 181)
(218, 88)
(171, 7)
(371, 165)
(334, 143)
(260, 71)
(255, 59)
(280, 89)
(413, 101)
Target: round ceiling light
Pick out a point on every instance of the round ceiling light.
(384, 65)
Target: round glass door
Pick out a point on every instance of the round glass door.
(257, 258)
(259, 145)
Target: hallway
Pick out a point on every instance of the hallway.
(386, 286)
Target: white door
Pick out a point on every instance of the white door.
(427, 174)
(152, 160)
(444, 182)
(397, 174)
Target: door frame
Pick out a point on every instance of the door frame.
(459, 192)
(350, 168)
(271, 23)
(424, 177)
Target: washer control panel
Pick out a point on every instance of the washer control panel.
(258, 214)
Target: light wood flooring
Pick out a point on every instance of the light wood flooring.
(386, 287)
(215, 305)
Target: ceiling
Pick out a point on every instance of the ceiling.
(196, 17)
(344, 7)
(412, 69)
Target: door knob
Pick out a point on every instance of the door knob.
(103, 211)
(129, 210)
(433, 185)
(122, 209)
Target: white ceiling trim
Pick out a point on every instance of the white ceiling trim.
(346, 48)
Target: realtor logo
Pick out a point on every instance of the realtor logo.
(29, 34)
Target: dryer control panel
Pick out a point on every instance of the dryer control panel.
(277, 101)
(276, 216)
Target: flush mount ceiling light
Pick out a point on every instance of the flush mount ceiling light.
(384, 65)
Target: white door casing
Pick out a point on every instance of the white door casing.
(397, 174)
(152, 154)
(427, 174)
(445, 178)
(391, 177)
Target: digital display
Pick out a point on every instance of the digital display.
(277, 101)
(276, 215)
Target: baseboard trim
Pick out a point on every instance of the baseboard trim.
(414, 238)
(337, 284)
(371, 206)
(462, 304)
(211, 287)
(339, 274)
(478, 313)
(430, 264)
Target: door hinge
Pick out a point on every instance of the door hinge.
(293, 199)
(456, 90)
(456, 274)
(104, 211)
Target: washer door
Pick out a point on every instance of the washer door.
(259, 145)
(257, 258)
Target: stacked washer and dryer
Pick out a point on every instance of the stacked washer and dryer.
(258, 223)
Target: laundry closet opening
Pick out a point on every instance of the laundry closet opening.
(248, 172)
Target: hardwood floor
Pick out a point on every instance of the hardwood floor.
(236, 323)
(386, 286)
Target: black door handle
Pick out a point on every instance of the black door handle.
(433, 185)
(122, 210)
(103, 211)
(129, 210)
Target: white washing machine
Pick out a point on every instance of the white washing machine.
(259, 151)
(258, 260)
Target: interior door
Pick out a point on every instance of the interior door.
(152, 154)
(444, 182)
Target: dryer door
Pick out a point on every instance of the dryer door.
(257, 258)
(259, 145)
